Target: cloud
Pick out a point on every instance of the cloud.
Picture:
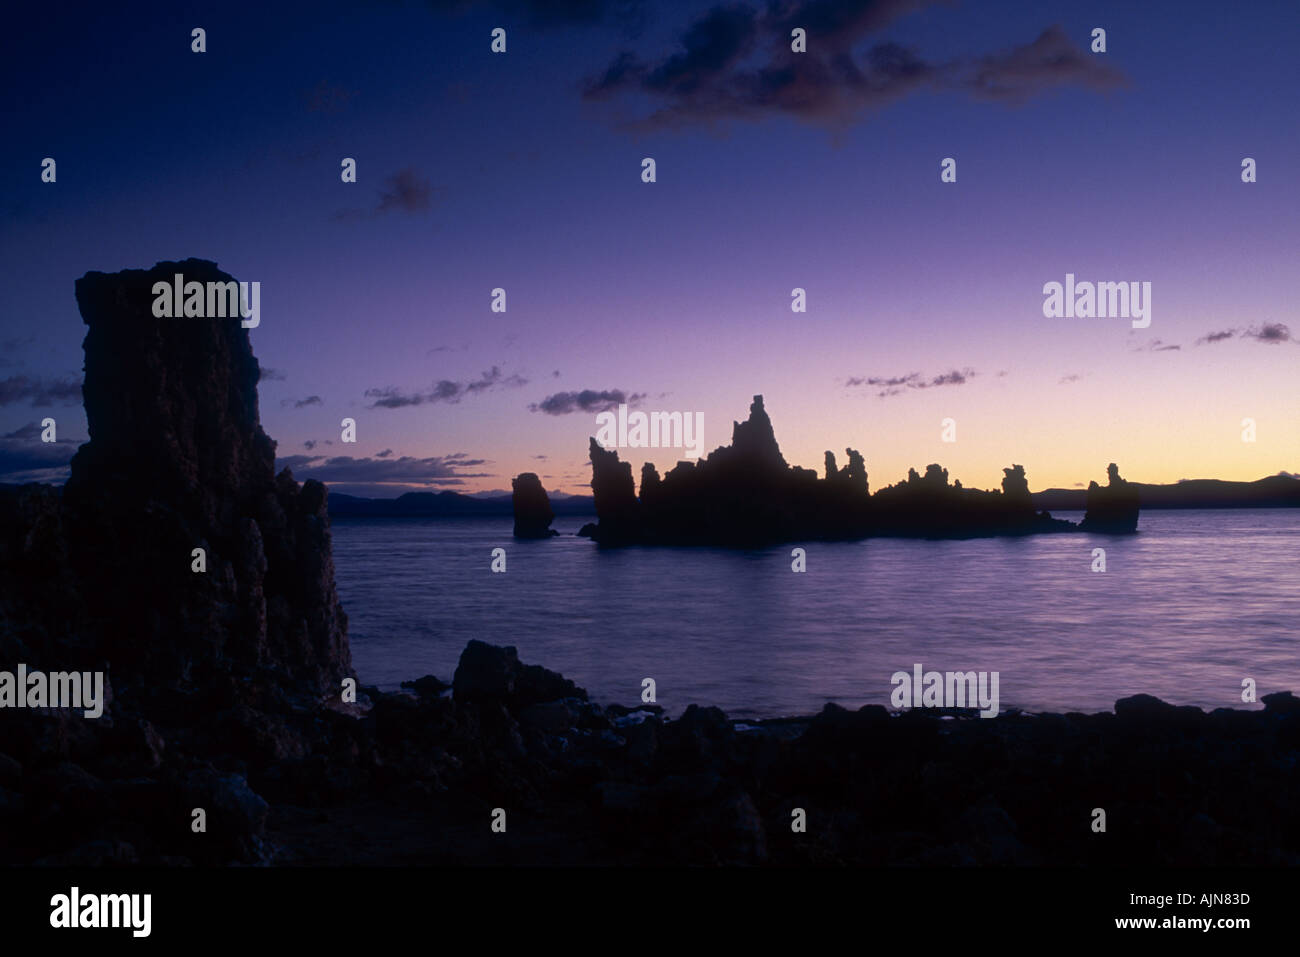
(1157, 345)
(897, 385)
(25, 458)
(269, 375)
(735, 62)
(1272, 333)
(384, 454)
(39, 392)
(1072, 377)
(405, 191)
(1216, 336)
(309, 444)
(407, 472)
(445, 390)
(1052, 60)
(587, 400)
(302, 403)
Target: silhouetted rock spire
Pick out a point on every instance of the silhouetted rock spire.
(1114, 508)
(533, 513)
(753, 441)
(746, 494)
(177, 461)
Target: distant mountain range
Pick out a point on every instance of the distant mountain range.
(1276, 491)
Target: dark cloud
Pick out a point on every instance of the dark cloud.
(404, 191)
(40, 392)
(897, 385)
(1273, 333)
(406, 472)
(270, 375)
(1216, 336)
(735, 62)
(1067, 379)
(390, 397)
(309, 444)
(1052, 60)
(1270, 333)
(25, 458)
(302, 403)
(587, 400)
(384, 454)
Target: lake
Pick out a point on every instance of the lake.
(1186, 609)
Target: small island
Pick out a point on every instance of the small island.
(746, 494)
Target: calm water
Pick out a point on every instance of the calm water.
(1186, 609)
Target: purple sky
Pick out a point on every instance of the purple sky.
(522, 171)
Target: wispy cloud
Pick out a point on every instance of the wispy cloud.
(445, 390)
(735, 62)
(1156, 345)
(1213, 337)
(897, 385)
(39, 392)
(405, 191)
(384, 470)
(1270, 333)
(25, 458)
(586, 400)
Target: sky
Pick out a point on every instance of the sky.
(774, 170)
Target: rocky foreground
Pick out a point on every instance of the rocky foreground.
(229, 690)
(414, 778)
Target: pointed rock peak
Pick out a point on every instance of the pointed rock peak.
(755, 438)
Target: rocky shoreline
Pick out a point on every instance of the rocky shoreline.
(415, 778)
(229, 689)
